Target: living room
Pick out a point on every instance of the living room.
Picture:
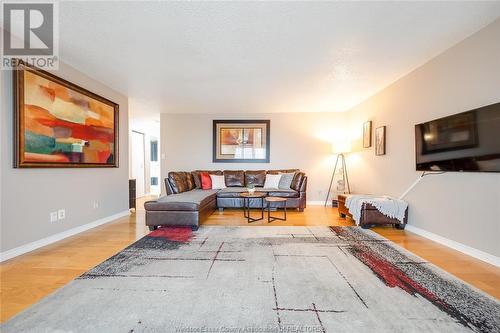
(250, 166)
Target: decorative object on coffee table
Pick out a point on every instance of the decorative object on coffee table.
(251, 189)
(277, 200)
(246, 196)
(340, 148)
(367, 134)
(241, 141)
(380, 141)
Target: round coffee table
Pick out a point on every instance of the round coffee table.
(246, 196)
(270, 200)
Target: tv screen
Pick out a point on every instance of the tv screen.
(467, 141)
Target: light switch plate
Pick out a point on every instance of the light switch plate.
(61, 214)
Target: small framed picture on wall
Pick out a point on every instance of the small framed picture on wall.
(380, 141)
(367, 134)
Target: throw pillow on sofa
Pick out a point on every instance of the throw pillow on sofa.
(206, 181)
(286, 180)
(272, 181)
(218, 182)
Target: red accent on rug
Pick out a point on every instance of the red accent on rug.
(390, 274)
(176, 234)
(394, 277)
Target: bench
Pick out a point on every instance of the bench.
(370, 216)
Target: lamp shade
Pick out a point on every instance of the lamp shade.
(341, 147)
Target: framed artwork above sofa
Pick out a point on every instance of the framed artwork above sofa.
(241, 141)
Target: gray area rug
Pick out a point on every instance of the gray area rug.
(263, 279)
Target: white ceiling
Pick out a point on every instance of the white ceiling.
(254, 57)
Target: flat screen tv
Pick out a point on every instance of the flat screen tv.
(467, 141)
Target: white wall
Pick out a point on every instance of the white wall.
(298, 140)
(29, 195)
(464, 207)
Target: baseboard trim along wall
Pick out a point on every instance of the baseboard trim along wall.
(17, 251)
(316, 203)
(486, 257)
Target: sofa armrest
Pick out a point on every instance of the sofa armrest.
(303, 186)
(168, 187)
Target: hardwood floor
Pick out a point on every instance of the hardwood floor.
(28, 278)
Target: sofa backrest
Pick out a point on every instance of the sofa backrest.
(255, 177)
(234, 178)
(180, 181)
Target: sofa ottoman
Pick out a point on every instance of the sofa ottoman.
(182, 209)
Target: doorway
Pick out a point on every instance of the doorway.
(137, 166)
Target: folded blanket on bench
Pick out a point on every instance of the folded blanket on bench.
(390, 207)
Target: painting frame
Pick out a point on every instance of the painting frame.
(19, 160)
(367, 134)
(240, 124)
(380, 134)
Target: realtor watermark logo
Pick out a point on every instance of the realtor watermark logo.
(30, 33)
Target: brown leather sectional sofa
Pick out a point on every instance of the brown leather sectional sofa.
(187, 204)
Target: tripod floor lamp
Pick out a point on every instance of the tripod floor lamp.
(341, 149)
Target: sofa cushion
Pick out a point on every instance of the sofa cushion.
(185, 201)
(206, 181)
(234, 192)
(231, 192)
(190, 181)
(234, 178)
(286, 180)
(196, 176)
(218, 182)
(255, 178)
(181, 181)
(272, 181)
(283, 193)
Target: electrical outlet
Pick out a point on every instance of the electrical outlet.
(95, 204)
(53, 217)
(61, 214)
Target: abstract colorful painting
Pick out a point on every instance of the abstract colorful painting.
(59, 124)
(241, 141)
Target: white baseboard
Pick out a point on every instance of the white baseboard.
(17, 251)
(316, 203)
(478, 254)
